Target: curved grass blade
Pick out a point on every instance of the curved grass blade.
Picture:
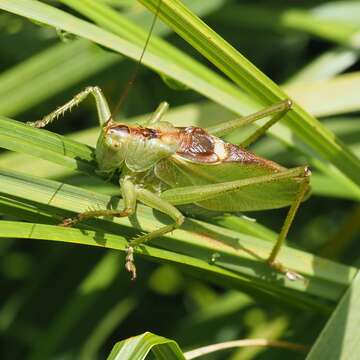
(247, 76)
(217, 88)
(48, 73)
(138, 347)
(312, 133)
(340, 338)
(196, 267)
(326, 66)
(46, 145)
(323, 98)
(108, 324)
(90, 291)
(64, 151)
(319, 21)
(235, 252)
(223, 264)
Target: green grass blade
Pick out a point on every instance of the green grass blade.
(196, 240)
(320, 21)
(216, 89)
(88, 293)
(197, 267)
(107, 18)
(323, 185)
(340, 338)
(80, 59)
(138, 347)
(46, 145)
(48, 73)
(328, 97)
(113, 21)
(247, 76)
(64, 151)
(214, 261)
(313, 134)
(325, 66)
(107, 325)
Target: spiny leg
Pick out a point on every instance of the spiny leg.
(159, 113)
(286, 226)
(101, 105)
(128, 192)
(68, 222)
(154, 201)
(186, 195)
(276, 112)
(131, 194)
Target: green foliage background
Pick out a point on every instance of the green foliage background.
(67, 301)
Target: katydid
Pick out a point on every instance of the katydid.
(164, 166)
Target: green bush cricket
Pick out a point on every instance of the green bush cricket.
(164, 166)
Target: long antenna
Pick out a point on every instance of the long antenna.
(134, 74)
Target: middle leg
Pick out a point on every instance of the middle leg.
(159, 113)
(154, 201)
(128, 193)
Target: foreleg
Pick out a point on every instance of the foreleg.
(101, 105)
(154, 201)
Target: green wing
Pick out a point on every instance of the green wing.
(179, 172)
